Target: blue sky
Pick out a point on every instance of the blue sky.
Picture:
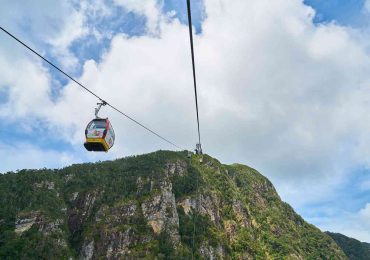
(349, 12)
(330, 188)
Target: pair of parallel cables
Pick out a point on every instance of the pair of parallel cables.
(198, 145)
(114, 107)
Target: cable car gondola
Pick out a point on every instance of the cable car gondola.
(99, 133)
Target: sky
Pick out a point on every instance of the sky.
(283, 87)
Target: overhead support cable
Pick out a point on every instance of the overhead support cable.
(89, 91)
(198, 146)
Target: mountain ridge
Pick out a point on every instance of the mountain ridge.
(162, 205)
(353, 248)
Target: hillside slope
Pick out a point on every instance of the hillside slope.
(354, 249)
(161, 205)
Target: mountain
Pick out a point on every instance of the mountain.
(353, 248)
(162, 205)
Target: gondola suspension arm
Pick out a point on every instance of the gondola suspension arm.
(103, 103)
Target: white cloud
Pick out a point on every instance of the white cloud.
(356, 225)
(29, 86)
(43, 22)
(77, 26)
(365, 213)
(73, 29)
(277, 92)
(367, 6)
(27, 156)
(51, 27)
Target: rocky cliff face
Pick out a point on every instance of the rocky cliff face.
(155, 206)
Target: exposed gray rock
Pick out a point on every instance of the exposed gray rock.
(68, 177)
(242, 215)
(117, 215)
(87, 250)
(188, 205)
(119, 243)
(82, 206)
(62, 242)
(100, 215)
(25, 221)
(176, 168)
(209, 205)
(143, 185)
(50, 227)
(74, 196)
(118, 237)
(161, 213)
(45, 184)
(209, 252)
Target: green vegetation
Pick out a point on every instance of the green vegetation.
(161, 205)
(353, 248)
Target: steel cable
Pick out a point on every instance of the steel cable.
(193, 65)
(88, 90)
